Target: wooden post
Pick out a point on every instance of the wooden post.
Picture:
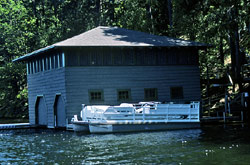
(242, 100)
(224, 117)
(226, 100)
(209, 100)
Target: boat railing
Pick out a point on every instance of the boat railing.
(155, 113)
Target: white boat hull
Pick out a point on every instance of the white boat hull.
(115, 128)
(149, 116)
(80, 126)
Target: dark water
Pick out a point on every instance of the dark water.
(208, 145)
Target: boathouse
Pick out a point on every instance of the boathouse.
(109, 65)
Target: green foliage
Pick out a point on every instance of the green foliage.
(28, 25)
(13, 95)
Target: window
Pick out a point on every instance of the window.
(40, 65)
(150, 57)
(48, 63)
(107, 58)
(31, 68)
(44, 64)
(96, 95)
(162, 56)
(56, 61)
(176, 92)
(72, 59)
(128, 57)
(84, 59)
(60, 58)
(35, 68)
(53, 62)
(117, 57)
(151, 94)
(123, 94)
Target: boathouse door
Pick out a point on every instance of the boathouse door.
(60, 115)
(41, 112)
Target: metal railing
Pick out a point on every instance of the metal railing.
(147, 113)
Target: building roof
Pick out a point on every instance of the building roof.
(103, 36)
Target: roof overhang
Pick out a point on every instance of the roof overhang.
(32, 54)
(117, 37)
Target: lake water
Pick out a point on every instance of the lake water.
(208, 145)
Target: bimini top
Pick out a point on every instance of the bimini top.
(113, 36)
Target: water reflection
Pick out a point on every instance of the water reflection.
(209, 145)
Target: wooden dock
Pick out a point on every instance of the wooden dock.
(220, 119)
(15, 126)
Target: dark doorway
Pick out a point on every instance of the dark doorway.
(41, 112)
(59, 111)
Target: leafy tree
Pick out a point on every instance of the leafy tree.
(28, 25)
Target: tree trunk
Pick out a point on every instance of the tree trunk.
(221, 51)
(150, 15)
(170, 11)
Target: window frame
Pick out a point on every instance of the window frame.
(172, 93)
(96, 91)
(155, 98)
(124, 99)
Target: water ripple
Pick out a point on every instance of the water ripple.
(198, 146)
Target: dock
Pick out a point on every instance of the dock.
(220, 119)
(15, 126)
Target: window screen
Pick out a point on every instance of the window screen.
(150, 94)
(176, 92)
(123, 95)
(96, 95)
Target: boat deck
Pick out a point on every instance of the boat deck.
(15, 126)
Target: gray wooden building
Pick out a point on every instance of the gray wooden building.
(109, 65)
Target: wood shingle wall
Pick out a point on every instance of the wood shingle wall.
(110, 79)
(46, 84)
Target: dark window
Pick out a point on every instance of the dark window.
(45, 63)
(56, 61)
(107, 58)
(31, 68)
(176, 92)
(84, 59)
(117, 56)
(123, 95)
(183, 57)
(193, 58)
(96, 95)
(41, 65)
(162, 56)
(72, 59)
(53, 62)
(149, 57)
(139, 56)
(35, 66)
(38, 65)
(151, 94)
(172, 56)
(60, 60)
(95, 59)
(48, 63)
(128, 57)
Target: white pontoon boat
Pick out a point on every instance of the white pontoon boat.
(145, 116)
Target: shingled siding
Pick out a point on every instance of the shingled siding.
(46, 84)
(79, 80)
